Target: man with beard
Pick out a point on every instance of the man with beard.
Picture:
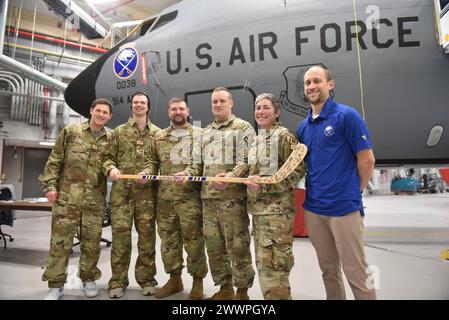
(179, 213)
(340, 162)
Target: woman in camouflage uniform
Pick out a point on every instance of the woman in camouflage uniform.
(272, 205)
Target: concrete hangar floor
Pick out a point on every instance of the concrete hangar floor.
(404, 236)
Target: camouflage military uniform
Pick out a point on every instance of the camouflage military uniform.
(179, 215)
(273, 211)
(130, 201)
(225, 217)
(74, 171)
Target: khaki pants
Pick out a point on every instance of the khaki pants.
(340, 240)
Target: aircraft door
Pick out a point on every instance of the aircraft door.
(200, 105)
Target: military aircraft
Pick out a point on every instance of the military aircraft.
(396, 75)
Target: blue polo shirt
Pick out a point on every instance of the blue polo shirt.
(333, 139)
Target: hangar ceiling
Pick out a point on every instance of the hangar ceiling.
(107, 14)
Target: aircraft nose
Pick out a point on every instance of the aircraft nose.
(81, 91)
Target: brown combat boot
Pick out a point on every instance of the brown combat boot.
(173, 285)
(197, 289)
(242, 294)
(226, 293)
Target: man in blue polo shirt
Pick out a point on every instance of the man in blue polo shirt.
(340, 161)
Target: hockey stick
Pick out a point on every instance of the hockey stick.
(295, 158)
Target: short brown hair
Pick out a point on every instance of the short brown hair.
(327, 72)
(102, 101)
(223, 89)
(176, 100)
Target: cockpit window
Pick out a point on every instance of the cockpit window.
(443, 4)
(164, 19)
(146, 25)
(140, 30)
(151, 24)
